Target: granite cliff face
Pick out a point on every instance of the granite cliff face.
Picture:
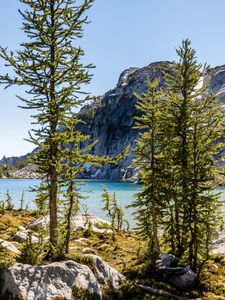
(110, 120)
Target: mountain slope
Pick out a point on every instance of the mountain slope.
(111, 119)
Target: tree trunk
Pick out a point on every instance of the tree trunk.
(53, 189)
(68, 227)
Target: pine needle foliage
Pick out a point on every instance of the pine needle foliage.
(113, 211)
(8, 201)
(149, 201)
(194, 127)
(49, 66)
(33, 253)
(177, 154)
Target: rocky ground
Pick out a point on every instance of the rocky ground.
(27, 172)
(98, 268)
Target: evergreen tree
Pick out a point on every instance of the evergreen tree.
(113, 211)
(181, 136)
(193, 125)
(22, 201)
(8, 201)
(149, 202)
(49, 65)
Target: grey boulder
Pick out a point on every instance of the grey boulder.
(68, 280)
(166, 260)
(22, 236)
(179, 277)
(60, 280)
(105, 274)
(40, 223)
(9, 246)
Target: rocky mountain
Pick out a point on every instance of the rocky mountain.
(110, 120)
(13, 160)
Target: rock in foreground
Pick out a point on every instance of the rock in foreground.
(105, 274)
(80, 222)
(179, 277)
(9, 246)
(65, 280)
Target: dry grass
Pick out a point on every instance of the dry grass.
(10, 220)
(125, 255)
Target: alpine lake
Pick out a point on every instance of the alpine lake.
(91, 190)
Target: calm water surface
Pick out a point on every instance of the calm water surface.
(125, 192)
(92, 189)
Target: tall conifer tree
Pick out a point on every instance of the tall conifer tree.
(181, 133)
(148, 204)
(49, 66)
(193, 124)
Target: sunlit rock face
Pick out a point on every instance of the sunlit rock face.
(111, 119)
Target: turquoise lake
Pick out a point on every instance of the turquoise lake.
(125, 192)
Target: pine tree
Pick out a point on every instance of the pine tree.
(193, 124)
(181, 133)
(8, 201)
(49, 66)
(22, 201)
(149, 202)
(113, 211)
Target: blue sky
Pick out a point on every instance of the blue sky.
(122, 34)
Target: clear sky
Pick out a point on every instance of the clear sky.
(122, 34)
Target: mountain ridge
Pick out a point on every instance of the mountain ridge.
(110, 120)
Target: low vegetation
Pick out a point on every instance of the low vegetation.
(127, 255)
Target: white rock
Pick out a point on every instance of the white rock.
(81, 222)
(41, 223)
(50, 281)
(105, 274)
(81, 241)
(88, 250)
(101, 230)
(22, 236)
(21, 228)
(218, 246)
(9, 246)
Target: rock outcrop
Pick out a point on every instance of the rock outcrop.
(59, 280)
(179, 277)
(105, 274)
(80, 222)
(23, 236)
(111, 120)
(29, 172)
(9, 246)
